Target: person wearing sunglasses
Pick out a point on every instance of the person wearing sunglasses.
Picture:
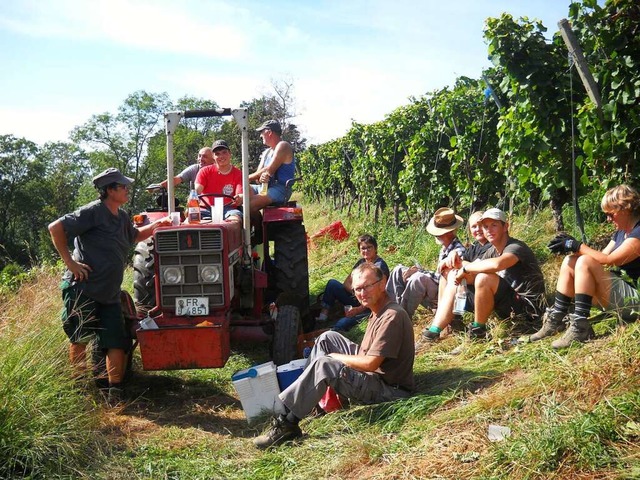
(102, 235)
(607, 279)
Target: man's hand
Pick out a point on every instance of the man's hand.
(79, 270)
(265, 177)
(453, 259)
(408, 272)
(563, 244)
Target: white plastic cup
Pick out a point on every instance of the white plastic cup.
(217, 210)
(175, 218)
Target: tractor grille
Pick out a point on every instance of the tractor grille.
(190, 249)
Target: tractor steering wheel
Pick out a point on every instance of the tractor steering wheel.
(216, 195)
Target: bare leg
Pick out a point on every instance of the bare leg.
(486, 287)
(566, 278)
(78, 357)
(590, 279)
(446, 293)
(116, 359)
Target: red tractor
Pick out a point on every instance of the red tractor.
(203, 285)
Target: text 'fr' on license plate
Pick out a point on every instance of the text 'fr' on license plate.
(192, 306)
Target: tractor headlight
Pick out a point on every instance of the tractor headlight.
(209, 273)
(172, 275)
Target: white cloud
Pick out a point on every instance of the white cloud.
(151, 25)
(41, 125)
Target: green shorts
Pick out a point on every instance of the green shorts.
(84, 318)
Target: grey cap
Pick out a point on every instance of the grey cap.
(109, 176)
(494, 214)
(272, 125)
(218, 144)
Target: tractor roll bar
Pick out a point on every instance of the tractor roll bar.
(172, 119)
(215, 112)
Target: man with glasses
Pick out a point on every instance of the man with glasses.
(276, 169)
(412, 286)
(102, 234)
(378, 370)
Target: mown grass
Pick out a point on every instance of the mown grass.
(572, 414)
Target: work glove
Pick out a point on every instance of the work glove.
(563, 244)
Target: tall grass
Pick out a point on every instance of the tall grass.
(47, 426)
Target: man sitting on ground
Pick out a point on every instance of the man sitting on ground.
(380, 370)
(448, 287)
(508, 280)
(412, 286)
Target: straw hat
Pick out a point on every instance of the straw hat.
(443, 221)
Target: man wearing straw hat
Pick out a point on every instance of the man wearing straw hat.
(412, 286)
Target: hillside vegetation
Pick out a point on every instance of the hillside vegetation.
(572, 414)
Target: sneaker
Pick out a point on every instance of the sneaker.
(552, 323)
(426, 339)
(579, 330)
(281, 431)
(477, 332)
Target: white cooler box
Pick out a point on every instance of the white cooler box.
(258, 390)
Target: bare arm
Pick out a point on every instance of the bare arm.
(146, 231)
(492, 265)
(59, 238)
(363, 363)
(176, 181)
(625, 253)
(255, 176)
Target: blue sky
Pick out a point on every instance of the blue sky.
(65, 60)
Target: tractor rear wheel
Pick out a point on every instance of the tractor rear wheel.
(144, 291)
(285, 337)
(291, 264)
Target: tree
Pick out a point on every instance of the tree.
(535, 125)
(121, 140)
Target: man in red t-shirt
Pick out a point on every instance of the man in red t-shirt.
(222, 177)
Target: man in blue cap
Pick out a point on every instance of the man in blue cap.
(102, 235)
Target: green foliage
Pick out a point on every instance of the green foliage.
(48, 429)
(11, 277)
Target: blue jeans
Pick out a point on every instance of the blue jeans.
(347, 323)
(336, 291)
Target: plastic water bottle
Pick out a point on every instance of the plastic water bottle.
(193, 206)
(461, 298)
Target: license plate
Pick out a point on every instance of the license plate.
(192, 306)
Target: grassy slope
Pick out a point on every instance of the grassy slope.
(573, 414)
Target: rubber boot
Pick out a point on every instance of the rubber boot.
(552, 323)
(579, 330)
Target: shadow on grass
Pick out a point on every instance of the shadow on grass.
(434, 390)
(168, 400)
(194, 398)
(438, 382)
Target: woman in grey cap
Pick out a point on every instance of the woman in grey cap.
(102, 235)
